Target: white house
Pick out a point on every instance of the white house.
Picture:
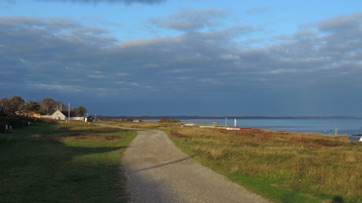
(63, 115)
(58, 115)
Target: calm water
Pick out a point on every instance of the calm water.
(326, 126)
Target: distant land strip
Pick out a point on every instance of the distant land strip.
(230, 117)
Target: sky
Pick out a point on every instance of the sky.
(185, 57)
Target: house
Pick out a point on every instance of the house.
(63, 115)
(59, 115)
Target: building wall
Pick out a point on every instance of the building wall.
(57, 115)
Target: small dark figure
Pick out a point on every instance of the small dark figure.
(337, 199)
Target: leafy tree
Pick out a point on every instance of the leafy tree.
(49, 105)
(168, 120)
(32, 106)
(45, 106)
(80, 111)
(16, 103)
(6, 104)
(60, 106)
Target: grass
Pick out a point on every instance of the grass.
(283, 167)
(79, 162)
(74, 162)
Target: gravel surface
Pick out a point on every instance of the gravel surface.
(157, 171)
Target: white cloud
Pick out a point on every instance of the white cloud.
(56, 87)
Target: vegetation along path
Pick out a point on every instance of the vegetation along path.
(158, 171)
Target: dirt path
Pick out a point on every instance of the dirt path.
(158, 171)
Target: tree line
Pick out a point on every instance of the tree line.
(44, 107)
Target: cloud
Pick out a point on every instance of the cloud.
(230, 57)
(64, 58)
(342, 24)
(191, 20)
(56, 87)
(112, 1)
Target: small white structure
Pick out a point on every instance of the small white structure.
(232, 128)
(188, 124)
(62, 116)
(58, 115)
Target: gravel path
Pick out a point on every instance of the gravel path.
(158, 171)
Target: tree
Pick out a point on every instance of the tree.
(80, 111)
(16, 103)
(49, 105)
(32, 106)
(45, 106)
(168, 120)
(6, 104)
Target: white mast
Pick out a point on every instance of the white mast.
(69, 112)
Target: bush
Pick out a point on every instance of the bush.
(167, 120)
(16, 121)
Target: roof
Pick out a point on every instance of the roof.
(65, 113)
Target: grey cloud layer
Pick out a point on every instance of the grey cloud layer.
(60, 55)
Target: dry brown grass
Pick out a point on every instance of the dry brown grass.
(314, 164)
(149, 125)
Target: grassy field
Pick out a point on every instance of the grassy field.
(282, 166)
(79, 162)
(74, 162)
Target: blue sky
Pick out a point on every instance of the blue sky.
(185, 57)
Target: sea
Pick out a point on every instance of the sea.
(329, 126)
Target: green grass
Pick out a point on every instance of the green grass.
(74, 162)
(283, 167)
